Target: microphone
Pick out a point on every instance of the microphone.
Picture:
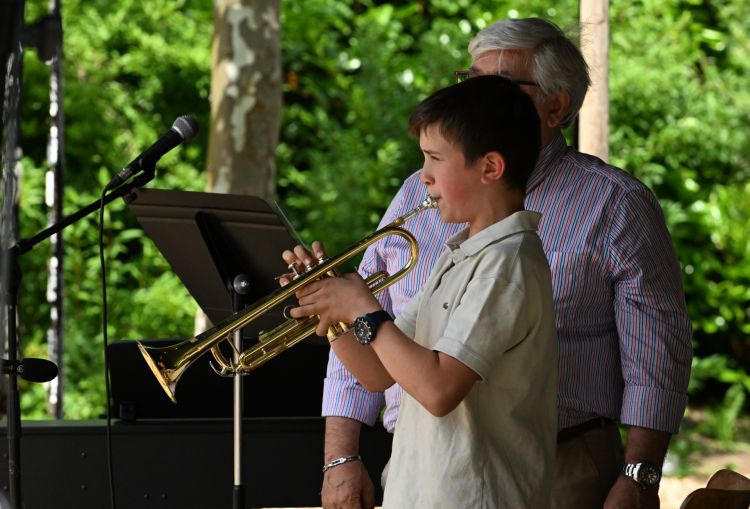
(183, 129)
(31, 369)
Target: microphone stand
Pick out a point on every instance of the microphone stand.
(20, 248)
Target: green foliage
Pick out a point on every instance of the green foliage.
(680, 108)
(721, 423)
(129, 71)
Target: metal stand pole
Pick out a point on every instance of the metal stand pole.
(240, 286)
(238, 494)
(14, 407)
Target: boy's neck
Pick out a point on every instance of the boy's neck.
(496, 211)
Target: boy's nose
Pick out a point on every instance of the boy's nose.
(425, 178)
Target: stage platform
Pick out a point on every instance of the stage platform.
(179, 464)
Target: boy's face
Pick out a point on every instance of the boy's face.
(448, 178)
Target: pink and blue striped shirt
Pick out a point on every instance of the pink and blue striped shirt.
(623, 330)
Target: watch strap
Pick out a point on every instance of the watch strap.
(373, 322)
(378, 317)
(637, 472)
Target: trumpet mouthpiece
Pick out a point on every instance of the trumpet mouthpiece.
(429, 202)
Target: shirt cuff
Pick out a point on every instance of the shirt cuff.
(347, 398)
(653, 408)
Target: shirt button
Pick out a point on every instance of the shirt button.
(445, 305)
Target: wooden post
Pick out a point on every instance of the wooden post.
(593, 128)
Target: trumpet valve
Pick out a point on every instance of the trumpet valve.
(286, 310)
(293, 268)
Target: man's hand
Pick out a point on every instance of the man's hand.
(643, 444)
(626, 494)
(348, 486)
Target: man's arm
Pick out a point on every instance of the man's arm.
(655, 340)
(651, 315)
(346, 486)
(643, 445)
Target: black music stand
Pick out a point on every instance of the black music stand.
(203, 235)
(226, 249)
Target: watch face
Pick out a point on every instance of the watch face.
(363, 330)
(649, 475)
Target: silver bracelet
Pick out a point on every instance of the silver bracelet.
(341, 461)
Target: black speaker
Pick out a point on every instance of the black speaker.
(289, 385)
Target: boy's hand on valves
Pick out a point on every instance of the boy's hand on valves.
(299, 259)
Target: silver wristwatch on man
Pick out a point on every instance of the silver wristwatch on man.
(647, 475)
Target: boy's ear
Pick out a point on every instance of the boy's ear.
(493, 167)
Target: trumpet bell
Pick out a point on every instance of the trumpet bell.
(167, 364)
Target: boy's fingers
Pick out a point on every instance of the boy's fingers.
(303, 255)
(318, 250)
(288, 256)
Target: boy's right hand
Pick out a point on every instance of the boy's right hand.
(348, 486)
(333, 299)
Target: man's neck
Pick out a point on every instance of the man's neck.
(549, 134)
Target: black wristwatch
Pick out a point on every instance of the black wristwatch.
(647, 475)
(366, 326)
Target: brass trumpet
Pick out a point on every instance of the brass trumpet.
(169, 363)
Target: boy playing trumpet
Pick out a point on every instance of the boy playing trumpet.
(475, 350)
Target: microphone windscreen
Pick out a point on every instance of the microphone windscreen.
(37, 370)
(186, 127)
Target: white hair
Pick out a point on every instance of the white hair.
(557, 63)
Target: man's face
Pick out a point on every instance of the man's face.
(517, 64)
(511, 64)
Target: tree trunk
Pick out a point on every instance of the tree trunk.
(593, 130)
(245, 97)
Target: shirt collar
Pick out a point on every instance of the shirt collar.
(549, 154)
(462, 247)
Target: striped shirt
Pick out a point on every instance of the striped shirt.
(624, 335)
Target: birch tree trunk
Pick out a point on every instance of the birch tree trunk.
(593, 127)
(245, 97)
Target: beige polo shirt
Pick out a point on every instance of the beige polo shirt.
(487, 303)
